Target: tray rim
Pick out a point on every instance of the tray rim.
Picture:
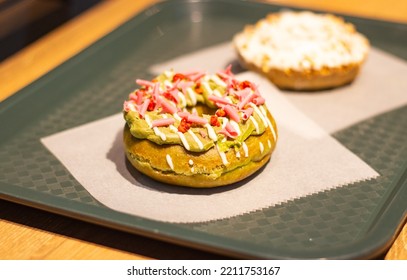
(373, 244)
(173, 233)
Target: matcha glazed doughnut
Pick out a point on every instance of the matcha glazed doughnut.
(198, 130)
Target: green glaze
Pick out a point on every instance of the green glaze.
(140, 126)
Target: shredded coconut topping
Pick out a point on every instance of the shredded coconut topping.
(301, 40)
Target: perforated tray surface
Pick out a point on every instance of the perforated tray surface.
(355, 221)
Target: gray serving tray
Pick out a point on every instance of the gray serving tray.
(356, 221)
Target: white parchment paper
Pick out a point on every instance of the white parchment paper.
(307, 160)
(380, 87)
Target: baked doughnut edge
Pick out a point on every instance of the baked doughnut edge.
(207, 169)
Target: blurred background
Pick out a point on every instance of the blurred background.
(24, 21)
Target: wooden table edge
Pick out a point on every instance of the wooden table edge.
(51, 50)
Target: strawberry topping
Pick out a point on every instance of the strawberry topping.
(184, 126)
(178, 76)
(214, 121)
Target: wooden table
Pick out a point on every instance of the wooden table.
(27, 233)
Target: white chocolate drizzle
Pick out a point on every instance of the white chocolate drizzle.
(262, 117)
(261, 147)
(229, 99)
(236, 127)
(169, 161)
(237, 153)
(269, 123)
(196, 139)
(173, 128)
(131, 106)
(272, 130)
(168, 74)
(269, 143)
(177, 117)
(245, 149)
(207, 88)
(192, 96)
(263, 110)
(224, 122)
(255, 123)
(222, 156)
(159, 133)
(218, 81)
(168, 84)
(211, 132)
(191, 164)
(184, 140)
(217, 93)
(148, 121)
(182, 98)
